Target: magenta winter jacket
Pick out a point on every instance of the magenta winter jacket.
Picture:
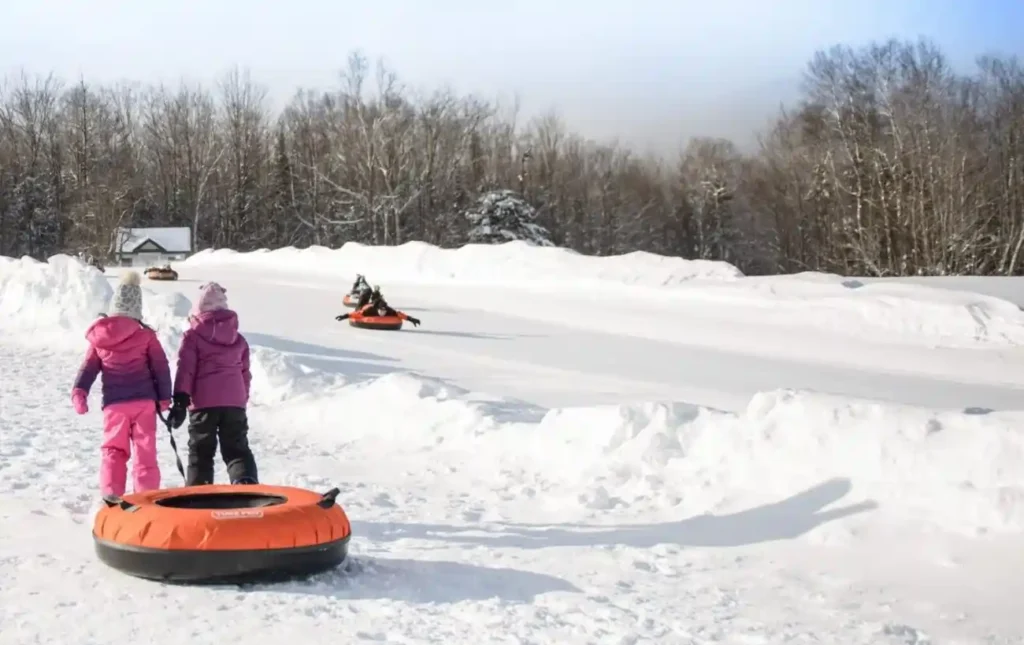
(129, 355)
(213, 362)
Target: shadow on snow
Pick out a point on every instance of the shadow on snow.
(424, 582)
(438, 581)
(467, 334)
(310, 349)
(784, 520)
(354, 365)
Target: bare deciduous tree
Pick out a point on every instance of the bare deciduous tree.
(891, 163)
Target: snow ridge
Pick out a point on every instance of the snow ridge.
(961, 471)
(512, 263)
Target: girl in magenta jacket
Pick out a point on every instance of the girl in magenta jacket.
(212, 385)
(136, 378)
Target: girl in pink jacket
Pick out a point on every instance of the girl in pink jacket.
(136, 378)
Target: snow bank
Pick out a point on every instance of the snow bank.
(961, 471)
(958, 470)
(54, 302)
(57, 296)
(278, 377)
(513, 263)
(167, 313)
(908, 313)
(784, 308)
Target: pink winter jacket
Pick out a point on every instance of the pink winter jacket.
(213, 362)
(129, 355)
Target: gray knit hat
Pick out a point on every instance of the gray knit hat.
(127, 300)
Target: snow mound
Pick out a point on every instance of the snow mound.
(167, 313)
(510, 264)
(928, 315)
(41, 301)
(784, 309)
(905, 312)
(914, 313)
(439, 409)
(278, 377)
(959, 470)
(54, 302)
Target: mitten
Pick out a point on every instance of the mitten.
(179, 410)
(415, 321)
(341, 317)
(78, 399)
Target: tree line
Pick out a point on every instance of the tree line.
(891, 163)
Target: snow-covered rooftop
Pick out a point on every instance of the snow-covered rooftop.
(171, 239)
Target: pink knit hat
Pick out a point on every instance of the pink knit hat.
(213, 298)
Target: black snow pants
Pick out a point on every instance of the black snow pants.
(231, 427)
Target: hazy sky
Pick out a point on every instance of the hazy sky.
(650, 73)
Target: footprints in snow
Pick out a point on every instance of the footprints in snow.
(42, 441)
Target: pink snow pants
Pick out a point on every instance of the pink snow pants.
(129, 425)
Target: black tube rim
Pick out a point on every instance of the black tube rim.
(326, 501)
(221, 500)
(376, 325)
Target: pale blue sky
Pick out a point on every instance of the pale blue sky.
(649, 72)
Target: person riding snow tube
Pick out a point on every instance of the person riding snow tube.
(360, 285)
(353, 299)
(377, 308)
(358, 292)
(161, 273)
(370, 297)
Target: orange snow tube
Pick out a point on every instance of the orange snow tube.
(349, 301)
(223, 533)
(161, 274)
(391, 323)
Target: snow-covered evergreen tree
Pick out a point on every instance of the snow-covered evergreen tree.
(503, 216)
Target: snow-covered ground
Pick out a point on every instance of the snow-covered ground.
(568, 450)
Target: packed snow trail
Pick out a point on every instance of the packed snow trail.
(561, 362)
(478, 518)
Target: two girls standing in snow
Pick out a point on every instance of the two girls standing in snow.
(211, 385)
(136, 379)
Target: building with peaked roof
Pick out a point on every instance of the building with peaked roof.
(147, 247)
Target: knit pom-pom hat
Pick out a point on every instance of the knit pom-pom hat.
(127, 300)
(213, 298)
